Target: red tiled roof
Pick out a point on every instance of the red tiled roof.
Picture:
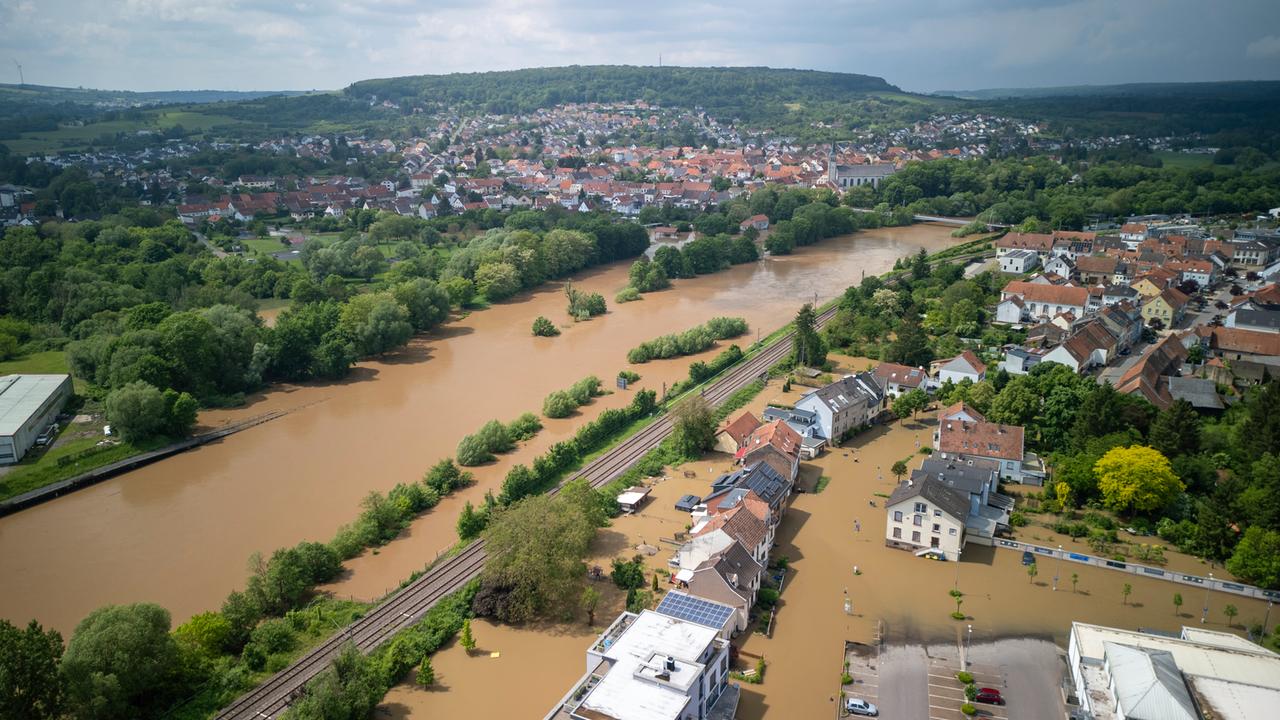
(1054, 294)
(741, 428)
(981, 439)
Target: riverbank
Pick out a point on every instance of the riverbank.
(300, 477)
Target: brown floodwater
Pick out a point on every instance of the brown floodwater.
(537, 665)
(179, 532)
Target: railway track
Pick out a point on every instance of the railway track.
(409, 604)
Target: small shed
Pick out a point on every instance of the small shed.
(631, 498)
(687, 503)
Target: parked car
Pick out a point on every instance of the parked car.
(858, 706)
(1028, 558)
(991, 696)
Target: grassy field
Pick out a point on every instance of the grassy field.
(1174, 159)
(264, 246)
(79, 137)
(50, 362)
(39, 469)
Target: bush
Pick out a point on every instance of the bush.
(970, 692)
(965, 677)
(1017, 519)
(444, 477)
(626, 295)
(524, 427)
(473, 451)
(968, 709)
(558, 405)
(767, 598)
(629, 376)
(846, 679)
(542, 327)
(583, 305)
(693, 340)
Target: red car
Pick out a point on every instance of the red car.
(990, 696)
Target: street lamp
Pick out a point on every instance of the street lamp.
(1266, 619)
(1056, 568)
(969, 648)
(1205, 613)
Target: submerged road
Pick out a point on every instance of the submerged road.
(409, 604)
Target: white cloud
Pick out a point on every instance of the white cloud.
(1264, 47)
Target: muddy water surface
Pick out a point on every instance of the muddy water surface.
(179, 532)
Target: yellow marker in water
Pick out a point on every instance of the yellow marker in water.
(495, 654)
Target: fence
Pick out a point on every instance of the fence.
(1146, 571)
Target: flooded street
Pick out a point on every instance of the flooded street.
(817, 535)
(179, 532)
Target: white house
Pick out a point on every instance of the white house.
(1019, 261)
(1060, 265)
(965, 366)
(844, 405)
(1036, 301)
(923, 516)
(897, 379)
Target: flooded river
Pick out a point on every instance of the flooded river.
(179, 532)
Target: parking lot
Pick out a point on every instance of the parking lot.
(862, 664)
(915, 681)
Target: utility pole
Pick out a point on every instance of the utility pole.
(1056, 568)
(1205, 613)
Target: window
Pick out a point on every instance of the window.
(937, 513)
(897, 516)
(952, 532)
(918, 520)
(921, 507)
(897, 533)
(937, 528)
(915, 536)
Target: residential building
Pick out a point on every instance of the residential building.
(897, 379)
(1041, 244)
(774, 440)
(924, 516)
(977, 481)
(1201, 393)
(1133, 234)
(1036, 301)
(732, 436)
(1020, 360)
(956, 439)
(759, 222)
(845, 405)
(731, 577)
(1019, 261)
(1149, 375)
(965, 366)
(960, 411)
(1167, 308)
(653, 666)
(1089, 345)
(1060, 265)
(1096, 269)
(1257, 320)
(806, 425)
(762, 478)
(28, 405)
(738, 522)
(1239, 344)
(1197, 674)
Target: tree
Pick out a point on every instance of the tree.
(427, 673)
(426, 303)
(29, 682)
(208, 633)
(1017, 404)
(1136, 479)
(497, 281)
(375, 323)
(470, 522)
(1031, 573)
(468, 641)
(137, 411)
(1176, 431)
(1075, 578)
(1177, 603)
(899, 469)
(910, 345)
(122, 662)
(542, 327)
(536, 578)
(1124, 593)
(807, 345)
(181, 413)
(628, 574)
(909, 403)
(1256, 558)
(558, 405)
(590, 600)
(1231, 611)
(695, 426)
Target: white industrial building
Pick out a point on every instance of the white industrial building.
(28, 405)
(1128, 675)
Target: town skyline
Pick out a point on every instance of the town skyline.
(919, 46)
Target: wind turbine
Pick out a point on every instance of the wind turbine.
(21, 81)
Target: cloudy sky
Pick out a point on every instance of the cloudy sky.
(918, 45)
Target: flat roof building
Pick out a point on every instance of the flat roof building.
(28, 404)
(1124, 674)
(654, 666)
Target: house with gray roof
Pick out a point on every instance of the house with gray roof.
(925, 516)
(845, 405)
(760, 478)
(977, 481)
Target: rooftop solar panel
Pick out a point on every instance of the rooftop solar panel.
(696, 610)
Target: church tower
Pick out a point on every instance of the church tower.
(831, 164)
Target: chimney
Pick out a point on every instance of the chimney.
(671, 664)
